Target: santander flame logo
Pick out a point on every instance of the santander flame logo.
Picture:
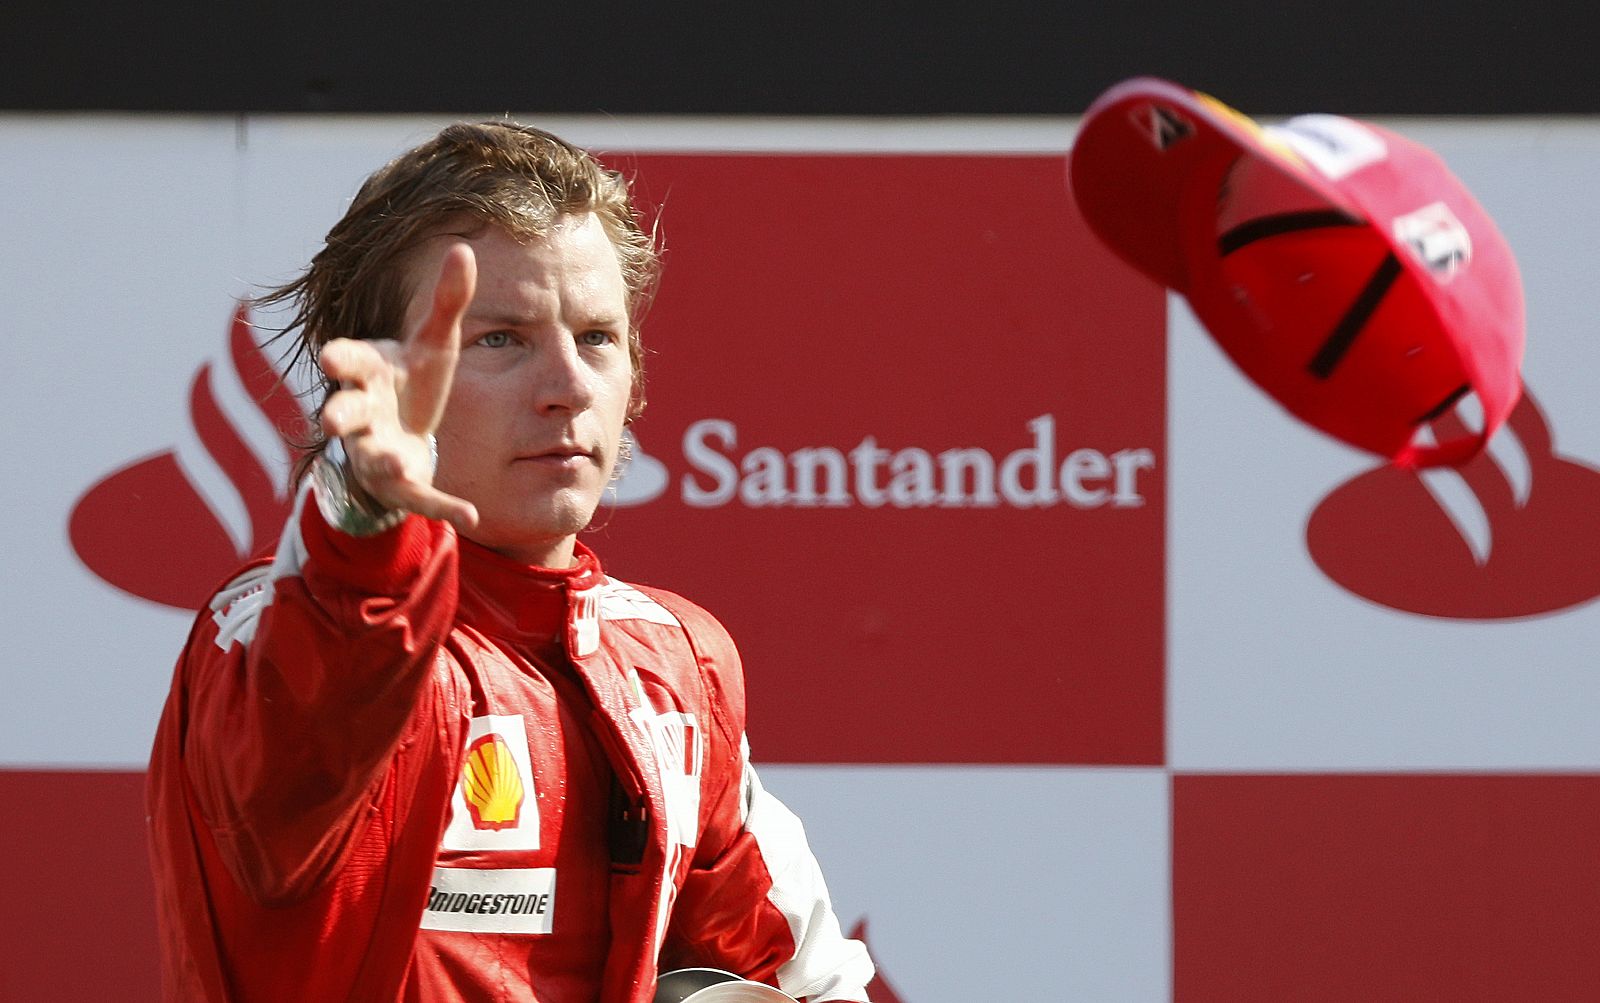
(170, 527)
(1511, 534)
(641, 478)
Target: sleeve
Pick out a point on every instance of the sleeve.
(300, 689)
(754, 901)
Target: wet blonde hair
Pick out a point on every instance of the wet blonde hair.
(470, 175)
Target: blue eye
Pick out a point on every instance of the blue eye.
(495, 339)
(596, 338)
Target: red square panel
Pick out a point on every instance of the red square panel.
(80, 917)
(831, 332)
(1371, 888)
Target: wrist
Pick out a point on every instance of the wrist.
(344, 504)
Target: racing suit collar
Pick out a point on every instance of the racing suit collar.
(522, 602)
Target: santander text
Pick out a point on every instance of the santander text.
(872, 475)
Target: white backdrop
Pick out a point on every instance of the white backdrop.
(131, 238)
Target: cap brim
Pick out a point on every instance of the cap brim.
(1143, 151)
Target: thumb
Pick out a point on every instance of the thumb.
(431, 352)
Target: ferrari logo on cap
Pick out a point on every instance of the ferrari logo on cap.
(1163, 126)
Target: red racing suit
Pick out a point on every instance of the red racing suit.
(402, 767)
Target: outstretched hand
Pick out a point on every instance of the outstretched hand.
(392, 394)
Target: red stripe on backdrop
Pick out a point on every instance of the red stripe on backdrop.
(1373, 888)
(79, 922)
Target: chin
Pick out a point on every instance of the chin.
(552, 521)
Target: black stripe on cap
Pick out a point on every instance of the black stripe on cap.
(1344, 334)
(1445, 405)
(1286, 222)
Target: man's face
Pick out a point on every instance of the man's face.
(535, 416)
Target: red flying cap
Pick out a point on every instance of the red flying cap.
(1342, 267)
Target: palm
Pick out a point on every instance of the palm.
(392, 395)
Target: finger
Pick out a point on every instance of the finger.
(429, 501)
(357, 363)
(347, 413)
(386, 478)
(381, 467)
(429, 355)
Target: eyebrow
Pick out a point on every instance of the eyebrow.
(531, 320)
(503, 319)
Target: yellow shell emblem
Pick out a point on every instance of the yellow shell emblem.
(491, 784)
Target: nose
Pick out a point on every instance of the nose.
(563, 380)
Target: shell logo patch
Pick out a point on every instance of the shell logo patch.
(490, 784)
(495, 803)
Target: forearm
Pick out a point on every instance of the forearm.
(311, 681)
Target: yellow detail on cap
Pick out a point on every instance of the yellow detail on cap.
(491, 784)
(1249, 126)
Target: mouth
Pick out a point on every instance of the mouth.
(563, 455)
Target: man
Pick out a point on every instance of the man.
(429, 751)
